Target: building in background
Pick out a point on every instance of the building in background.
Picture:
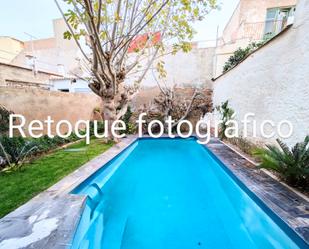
(69, 84)
(24, 77)
(42, 62)
(54, 54)
(272, 83)
(9, 48)
(60, 56)
(191, 69)
(252, 21)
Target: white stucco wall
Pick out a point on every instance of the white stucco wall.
(273, 82)
(184, 69)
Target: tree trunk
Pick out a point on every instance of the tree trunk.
(109, 113)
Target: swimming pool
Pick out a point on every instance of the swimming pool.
(174, 194)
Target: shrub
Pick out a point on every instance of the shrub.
(240, 54)
(226, 114)
(244, 145)
(59, 140)
(73, 137)
(15, 150)
(4, 119)
(130, 127)
(291, 164)
(100, 127)
(44, 143)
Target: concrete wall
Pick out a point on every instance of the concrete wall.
(186, 69)
(38, 104)
(273, 82)
(11, 74)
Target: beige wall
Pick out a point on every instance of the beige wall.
(52, 54)
(11, 73)
(255, 11)
(273, 82)
(250, 12)
(230, 31)
(9, 49)
(38, 104)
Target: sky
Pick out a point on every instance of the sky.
(19, 19)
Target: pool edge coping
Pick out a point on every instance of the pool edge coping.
(55, 204)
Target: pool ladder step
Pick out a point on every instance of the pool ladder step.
(94, 201)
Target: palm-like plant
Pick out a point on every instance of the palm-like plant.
(15, 150)
(291, 164)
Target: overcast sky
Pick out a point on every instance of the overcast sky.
(35, 17)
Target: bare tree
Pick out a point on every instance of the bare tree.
(113, 28)
(170, 104)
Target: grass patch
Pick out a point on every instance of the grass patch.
(18, 187)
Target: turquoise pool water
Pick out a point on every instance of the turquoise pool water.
(173, 194)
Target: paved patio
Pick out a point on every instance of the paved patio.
(49, 220)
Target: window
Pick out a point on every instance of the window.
(64, 90)
(277, 20)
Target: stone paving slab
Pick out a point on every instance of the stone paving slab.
(292, 208)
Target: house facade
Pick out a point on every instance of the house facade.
(15, 76)
(39, 62)
(252, 21)
(51, 54)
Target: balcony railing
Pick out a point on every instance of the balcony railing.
(265, 30)
(257, 31)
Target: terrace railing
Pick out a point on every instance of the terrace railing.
(264, 30)
(256, 31)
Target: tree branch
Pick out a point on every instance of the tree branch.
(71, 30)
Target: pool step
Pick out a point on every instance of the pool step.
(94, 236)
(114, 236)
(95, 200)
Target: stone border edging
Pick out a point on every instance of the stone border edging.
(289, 206)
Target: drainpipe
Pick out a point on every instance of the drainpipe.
(215, 56)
